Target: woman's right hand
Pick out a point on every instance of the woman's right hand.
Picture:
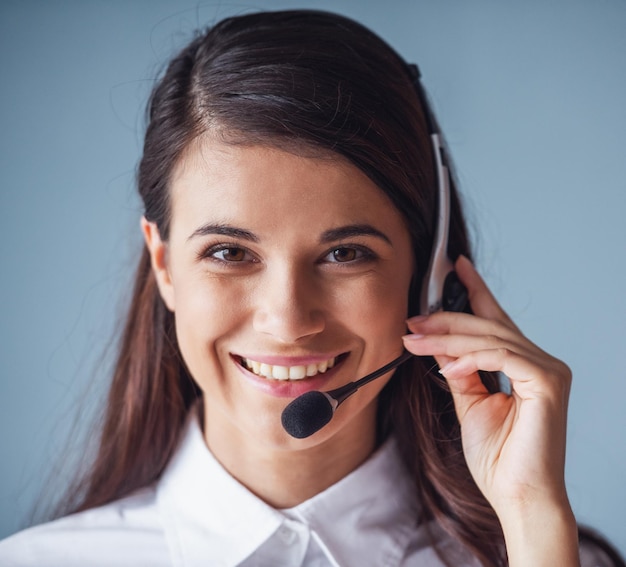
(514, 444)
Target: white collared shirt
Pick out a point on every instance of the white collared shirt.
(199, 515)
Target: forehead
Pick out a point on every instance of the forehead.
(269, 188)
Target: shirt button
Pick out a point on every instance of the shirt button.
(287, 535)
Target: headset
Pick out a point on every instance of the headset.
(441, 290)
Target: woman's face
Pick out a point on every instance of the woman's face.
(285, 274)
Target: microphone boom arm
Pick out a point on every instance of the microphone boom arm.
(338, 395)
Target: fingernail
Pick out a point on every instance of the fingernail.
(417, 319)
(446, 368)
(413, 337)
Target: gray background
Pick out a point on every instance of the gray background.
(531, 96)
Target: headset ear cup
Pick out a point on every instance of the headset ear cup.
(455, 297)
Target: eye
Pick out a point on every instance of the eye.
(348, 254)
(228, 254)
(344, 254)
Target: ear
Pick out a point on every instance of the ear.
(158, 258)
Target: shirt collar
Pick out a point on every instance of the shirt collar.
(211, 519)
(369, 516)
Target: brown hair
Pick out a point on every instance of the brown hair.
(300, 80)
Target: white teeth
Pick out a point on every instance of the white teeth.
(297, 372)
(280, 372)
(287, 372)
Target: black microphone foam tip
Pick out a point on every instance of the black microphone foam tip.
(307, 414)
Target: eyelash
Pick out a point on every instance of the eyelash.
(209, 253)
(363, 254)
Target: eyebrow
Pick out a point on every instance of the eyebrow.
(352, 230)
(224, 230)
(328, 236)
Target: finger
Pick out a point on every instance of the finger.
(466, 390)
(445, 322)
(528, 379)
(455, 346)
(442, 360)
(482, 301)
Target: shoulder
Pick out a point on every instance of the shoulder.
(108, 535)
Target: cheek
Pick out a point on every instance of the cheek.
(207, 311)
(383, 307)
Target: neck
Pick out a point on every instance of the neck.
(286, 474)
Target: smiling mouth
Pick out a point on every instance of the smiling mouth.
(300, 372)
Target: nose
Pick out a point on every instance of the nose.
(288, 305)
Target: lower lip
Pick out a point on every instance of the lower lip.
(289, 388)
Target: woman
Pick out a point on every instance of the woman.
(291, 205)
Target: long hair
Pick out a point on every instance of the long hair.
(304, 81)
